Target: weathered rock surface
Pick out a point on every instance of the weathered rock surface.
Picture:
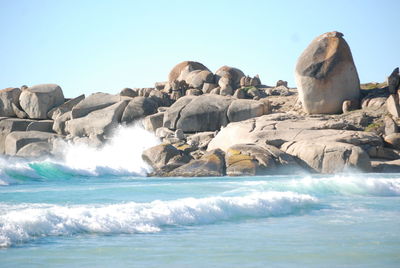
(393, 140)
(8, 98)
(42, 125)
(392, 166)
(276, 129)
(164, 158)
(154, 121)
(18, 139)
(212, 164)
(93, 102)
(36, 149)
(99, 122)
(240, 110)
(329, 157)
(59, 123)
(393, 81)
(252, 159)
(392, 105)
(10, 125)
(326, 75)
(232, 76)
(65, 107)
(36, 101)
(138, 107)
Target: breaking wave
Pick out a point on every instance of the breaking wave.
(24, 222)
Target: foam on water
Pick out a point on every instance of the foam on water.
(23, 222)
(349, 184)
(121, 156)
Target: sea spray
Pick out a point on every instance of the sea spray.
(120, 156)
(23, 222)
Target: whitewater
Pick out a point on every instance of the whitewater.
(97, 208)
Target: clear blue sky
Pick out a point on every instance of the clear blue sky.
(89, 46)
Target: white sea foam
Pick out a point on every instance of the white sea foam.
(120, 156)
(348, 185)
(23, 222)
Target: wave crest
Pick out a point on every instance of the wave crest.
(21, 223)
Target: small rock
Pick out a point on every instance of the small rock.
(179, 134)
(128, 92)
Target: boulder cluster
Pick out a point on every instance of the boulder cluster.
(226, 123)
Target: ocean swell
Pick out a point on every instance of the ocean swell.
(24, 222)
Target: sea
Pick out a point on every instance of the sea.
(97, 208)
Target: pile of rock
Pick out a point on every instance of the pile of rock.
(226, 123)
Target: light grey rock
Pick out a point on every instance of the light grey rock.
(35, 150)
(179, 134)
(390, 126)
(326, 75)
(244, 109)
(10, 125)
(18, 112)
(59, 123)
(202, 113)
(329, 157)
(42, 125)
(201, 140)
(392, 105)
(38, 100)
(65, 107)
(207, 87)
(393, 140)
(137, 108)
(18, 139)
(99, 122)
(385, 166)
(8, 98)
(163, 132)
(153, 122)
(93, 102)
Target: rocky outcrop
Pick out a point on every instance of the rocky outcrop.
(329, 157)
(164, 158)
(138, 107)
(212, 164)
(16, 140)
(393, 81)
(93, 102)
(65, 107)
(97, 123)
(240, 110)
(38, 100)
(10, 125)
(154, 121)
(252, 159)
(326, 75)
(227, 76)
(8, 98)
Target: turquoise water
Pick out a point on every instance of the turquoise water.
(72, 214)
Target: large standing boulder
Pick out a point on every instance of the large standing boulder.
(228, 76)
(326, 75)
(393, 81)
(329, 157)
(36, 101)
(97, 123)
(8, 97)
